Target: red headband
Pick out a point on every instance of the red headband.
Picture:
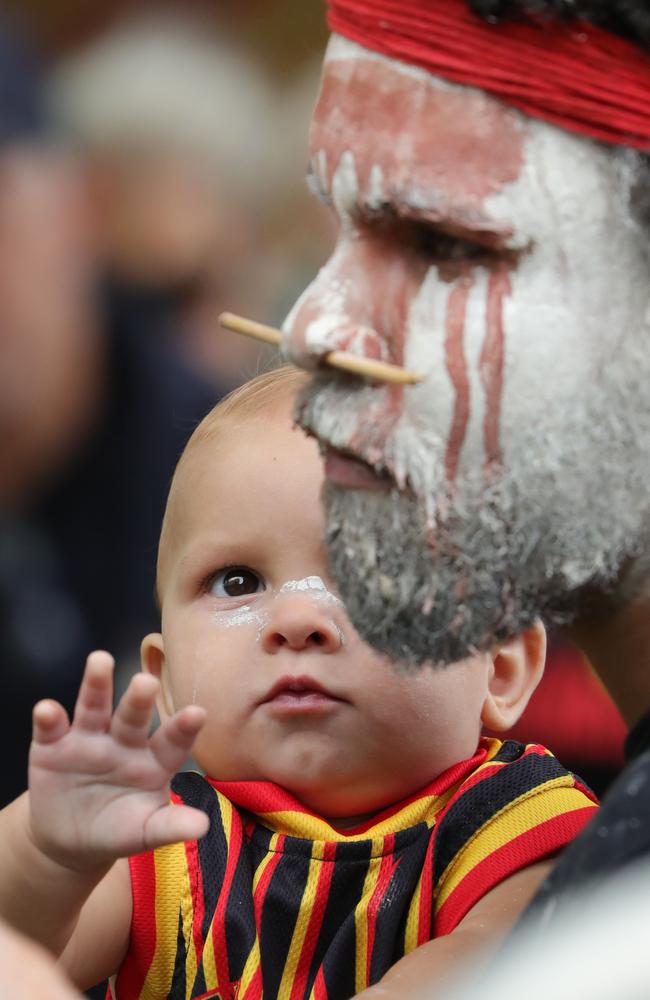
(574, 75)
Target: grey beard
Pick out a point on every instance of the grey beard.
(488, 571)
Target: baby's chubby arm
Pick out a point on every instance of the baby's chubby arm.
(98, 791)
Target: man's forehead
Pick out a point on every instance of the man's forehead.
(413, 138)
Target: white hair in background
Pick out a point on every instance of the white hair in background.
(597, 949)
(165, 82)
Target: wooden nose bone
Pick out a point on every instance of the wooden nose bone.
(379, 371)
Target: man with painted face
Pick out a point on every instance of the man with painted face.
(486, 164)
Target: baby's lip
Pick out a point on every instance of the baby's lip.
(302, 685)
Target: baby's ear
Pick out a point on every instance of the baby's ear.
(517, 668)
(152, 659)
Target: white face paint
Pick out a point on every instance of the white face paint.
(258, 618)
(238, 617)
(490, 337)
(534, 348)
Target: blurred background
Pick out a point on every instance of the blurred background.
(151, 175)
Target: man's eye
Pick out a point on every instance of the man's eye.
(236, 581)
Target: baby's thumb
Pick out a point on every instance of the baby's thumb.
(172, 824)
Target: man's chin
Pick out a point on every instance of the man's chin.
(438, 595)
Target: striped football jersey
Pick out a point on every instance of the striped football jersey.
(275, 902)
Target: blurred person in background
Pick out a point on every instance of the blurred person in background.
(197, 160)
(93, 416)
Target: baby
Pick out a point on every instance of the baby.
(350, 813)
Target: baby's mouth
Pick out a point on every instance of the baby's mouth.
(294, 695)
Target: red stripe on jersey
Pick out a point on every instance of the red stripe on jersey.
(261, 797)
(263, 884)
(315, 922)
(320, 989)
(386, 869)
(196, 882)
(254, 991)
(133, 971)
(426, 896)
(219, 940)
(522, 850)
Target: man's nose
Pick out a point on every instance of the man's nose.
(298, 623)
(336, 312)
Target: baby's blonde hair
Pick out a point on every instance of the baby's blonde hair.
(262, 394)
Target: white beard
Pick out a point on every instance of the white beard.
(559, 523)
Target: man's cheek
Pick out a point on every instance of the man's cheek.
(456, 335)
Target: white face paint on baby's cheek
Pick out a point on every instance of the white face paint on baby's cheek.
(242, 617)
(257, 619)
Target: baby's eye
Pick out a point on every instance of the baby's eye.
(236, 581)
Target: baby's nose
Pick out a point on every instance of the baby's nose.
(298, 623)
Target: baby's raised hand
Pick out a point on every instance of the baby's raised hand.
(99, 786)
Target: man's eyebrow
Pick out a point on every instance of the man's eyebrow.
(462, 221)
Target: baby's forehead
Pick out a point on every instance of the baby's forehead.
(213, 449)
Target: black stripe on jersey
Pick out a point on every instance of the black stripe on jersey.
(338, 921)
(213, 848)
(241, 931)
(476, 805)
(279, 912)
(390, 930)
(178, 987)
(213, 853)
(510, 750)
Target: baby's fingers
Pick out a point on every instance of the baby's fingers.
(94, 705)
(173, 741)
(132, 719)
(171, 824)
(49, 722)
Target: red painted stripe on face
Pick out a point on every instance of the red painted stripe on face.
(491, 365)
(457, 368)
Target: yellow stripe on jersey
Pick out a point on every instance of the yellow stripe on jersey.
(304, 825)
(254, 958)
(361, 913)
(170, 868)
(306, 907)
(516, 818)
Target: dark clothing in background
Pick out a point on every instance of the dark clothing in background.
(77, 571)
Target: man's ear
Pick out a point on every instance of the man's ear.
(152, 658)
(517, 669)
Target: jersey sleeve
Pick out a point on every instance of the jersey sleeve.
(519, 807)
